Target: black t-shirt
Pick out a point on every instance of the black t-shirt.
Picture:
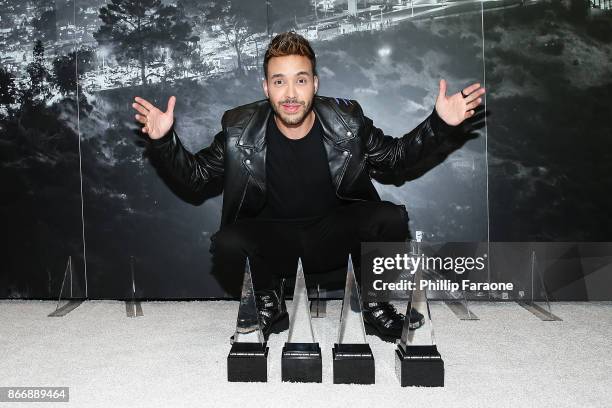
(298, 181)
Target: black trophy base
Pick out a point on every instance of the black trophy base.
(419, 366)
(353, 364)
(301, 362)
(247, 362)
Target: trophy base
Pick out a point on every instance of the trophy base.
(353, 364)
(301, 362)
(420, 366)
(247, 362)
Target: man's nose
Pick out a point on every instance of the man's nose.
(291, 91)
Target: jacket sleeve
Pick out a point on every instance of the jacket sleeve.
(192, 170)
(386, 153)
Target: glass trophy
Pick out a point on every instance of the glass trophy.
(353, 360)
(248, 358)
(539, 293)
(133, 308)
(417, 361)
(71, 293)
(301, 359)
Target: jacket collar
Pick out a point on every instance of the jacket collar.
(335, 126)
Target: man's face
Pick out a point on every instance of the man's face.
(290, 87)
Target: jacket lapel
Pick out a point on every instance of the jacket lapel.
(336, 134)
(252, 143)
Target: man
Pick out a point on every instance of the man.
(296, 176)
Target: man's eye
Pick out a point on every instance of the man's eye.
(278, 82)
(302, 81)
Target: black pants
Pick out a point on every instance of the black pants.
(323, 243)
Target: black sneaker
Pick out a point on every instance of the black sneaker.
(381, 319)
(273, 316)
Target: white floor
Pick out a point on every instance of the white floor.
(175, 356)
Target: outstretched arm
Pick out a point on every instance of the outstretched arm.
(192, 170)
(386, 153)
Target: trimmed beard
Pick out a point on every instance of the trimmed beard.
(290, 120)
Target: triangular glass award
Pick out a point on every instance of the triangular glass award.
(539, 304)
(300, 324)
(301, 358)
(353, 361)
(417, 360)
(417, 300)
(248, 328)
(71, 292)
(352, 330)
(247, 359)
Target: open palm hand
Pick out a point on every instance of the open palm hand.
(454, 109)
(156, 123)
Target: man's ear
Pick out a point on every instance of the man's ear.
(316, 83)
(264, 84)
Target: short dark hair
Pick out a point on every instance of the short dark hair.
(289, 43)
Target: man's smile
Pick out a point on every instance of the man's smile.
(291, 107)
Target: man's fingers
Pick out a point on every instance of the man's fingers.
(442, 90)
(471, 88)
(142, 119)
(171, 103)
(474, 95)
(474, 104)
(144, 129)
(144, 103)
(140, 108)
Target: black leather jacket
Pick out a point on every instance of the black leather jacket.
(355, 148)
